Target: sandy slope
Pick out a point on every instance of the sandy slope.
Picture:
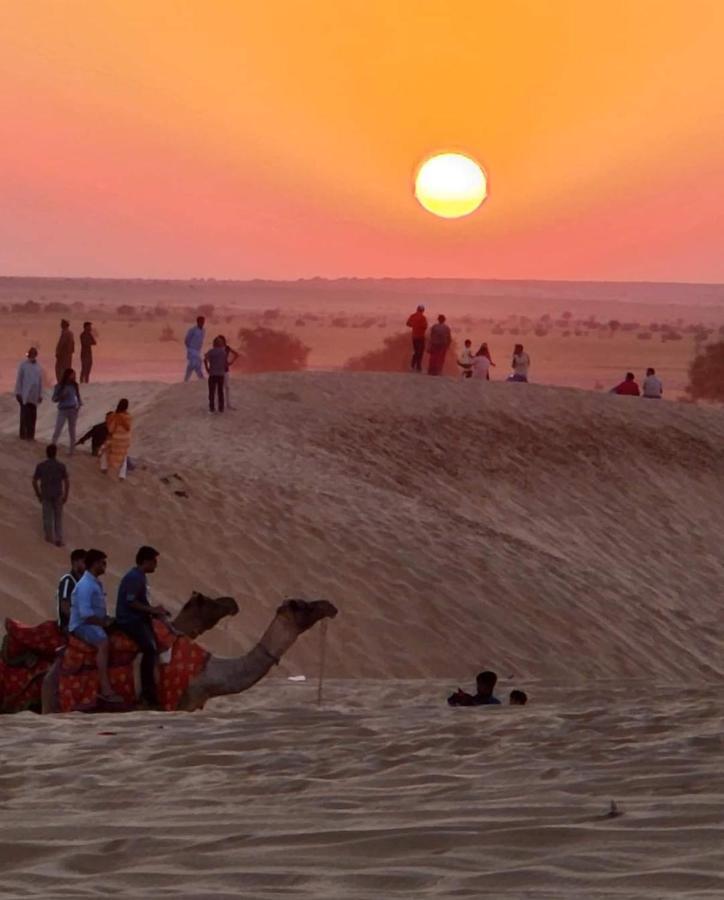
(380, 793)
(549, 533)
(570, 540)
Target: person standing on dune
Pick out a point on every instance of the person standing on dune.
(67, 395)
(440, 340)
(418, 323)
(216, 366)
(194, 342)
(52, 486)
(29, 393)
(520, 364)
(64, 350)
(114, 453)
(231, 358)
(87, 343)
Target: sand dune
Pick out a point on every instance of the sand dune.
(571, 541)
(552, 533)
(377, 794)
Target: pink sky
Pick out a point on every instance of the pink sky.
(196, 139)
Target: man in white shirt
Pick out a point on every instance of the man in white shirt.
(29, 393)
(465, 360)
(653, 388)
(194, 342)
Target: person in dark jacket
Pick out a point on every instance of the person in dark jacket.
(485, 683)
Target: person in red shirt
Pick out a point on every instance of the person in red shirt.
(418, 323)
(628, 386)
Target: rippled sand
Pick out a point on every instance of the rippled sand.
(383, 791)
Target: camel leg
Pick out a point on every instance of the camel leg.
(49, 690)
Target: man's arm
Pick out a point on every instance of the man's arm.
(36, 488)
(206, 363)
(234, 356)
(66, 488)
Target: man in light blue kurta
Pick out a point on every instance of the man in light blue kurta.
(89, 618)
(194, 342)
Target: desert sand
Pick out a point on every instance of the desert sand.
(567, 539)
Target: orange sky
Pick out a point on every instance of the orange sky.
(238, 139)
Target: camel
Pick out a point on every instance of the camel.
(220, 676)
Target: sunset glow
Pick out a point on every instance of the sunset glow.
(280, 139)
(450, 185)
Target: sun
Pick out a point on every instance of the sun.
(450, 185)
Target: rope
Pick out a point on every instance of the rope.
(322, 655)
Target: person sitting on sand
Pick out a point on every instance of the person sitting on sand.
(67, 585)
(628, 387)
(134, 613)
(653, 388)
(518, 698)
(465, 360)
(485, 683)
(89, 619)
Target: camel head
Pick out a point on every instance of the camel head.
(201, 613)
(305, 613)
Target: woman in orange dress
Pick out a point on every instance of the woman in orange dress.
(114, 454)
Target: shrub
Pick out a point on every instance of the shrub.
(706, 374)
(540, 331)
(644, 335)
(206, 310)
(394, 356)
(266, 350)
(167, 334)
(125, 310)
(55, 307)
(30, 306)
(270, 315)
(340, 322)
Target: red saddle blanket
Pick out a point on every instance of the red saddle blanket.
(28, 651)
(78, 684)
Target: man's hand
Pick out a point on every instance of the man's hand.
(159, 611)
(19, 399)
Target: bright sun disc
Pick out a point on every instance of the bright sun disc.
(450, 185)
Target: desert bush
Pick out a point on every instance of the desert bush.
(706, 374)
(267, 350)
(671, 336)
(339, 322)
(394, 356)
(30, 306)
(644, 335)
(55, 307)
(167, 334)
(206, 310)
(125, 310)
(540, 331)
(300, 323)
(271, 315)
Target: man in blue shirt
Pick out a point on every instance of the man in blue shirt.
(194, 342)
(88, 617)
(134, 613)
